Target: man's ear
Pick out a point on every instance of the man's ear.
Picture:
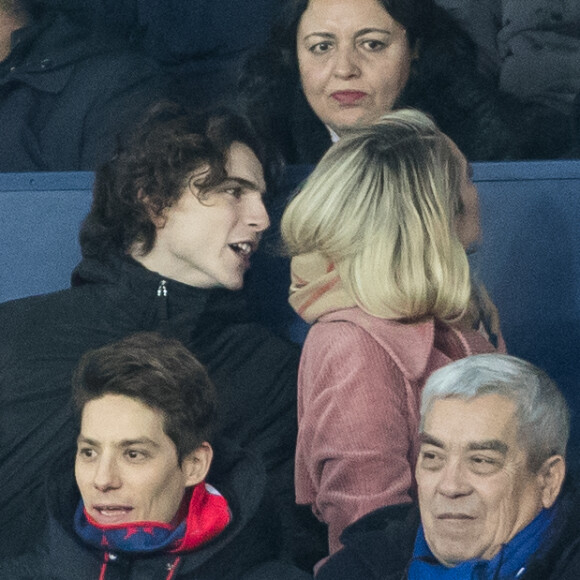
(157, 219)
(195, 465)
(416, 53)
(551, 476)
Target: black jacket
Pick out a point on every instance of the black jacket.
(236, 554)
(379, 546)
(444, 82)
(43, 338)
(65, 93)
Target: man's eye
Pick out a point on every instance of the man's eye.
(135, 455)
(431, 460)
(86, 452)
(234, 191)
(483, 465)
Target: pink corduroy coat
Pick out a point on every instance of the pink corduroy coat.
(359, 388)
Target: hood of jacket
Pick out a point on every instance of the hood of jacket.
(411, 345)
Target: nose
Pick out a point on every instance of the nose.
(256, 213)
(453, 481)
(106, 475)
(346, 63)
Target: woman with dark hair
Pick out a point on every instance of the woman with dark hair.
(333, 64)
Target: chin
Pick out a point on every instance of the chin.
(232, 285)
(344, 125)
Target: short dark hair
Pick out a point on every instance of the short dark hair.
(153, 164)
(159, 372)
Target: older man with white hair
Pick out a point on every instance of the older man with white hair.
(490, 478)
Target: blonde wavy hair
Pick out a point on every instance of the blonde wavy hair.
(381, 205)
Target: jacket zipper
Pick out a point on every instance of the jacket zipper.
(162, 296)
(171, 568)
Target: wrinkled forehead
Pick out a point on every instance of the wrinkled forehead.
(458, 422)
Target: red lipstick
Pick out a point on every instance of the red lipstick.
(348, 97)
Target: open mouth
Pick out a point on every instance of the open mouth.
(244, 249)
(111, 513)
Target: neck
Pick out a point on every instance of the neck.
(10, 21)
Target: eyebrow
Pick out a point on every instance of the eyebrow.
(486, 445)
(489, 445)
(124, 443)
(426, 439)
(361, 32)
(370, 30)
(245, 183)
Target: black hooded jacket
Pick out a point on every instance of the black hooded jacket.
(237, 553)
(44, 337)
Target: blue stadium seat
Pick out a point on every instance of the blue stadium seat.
(40, 215)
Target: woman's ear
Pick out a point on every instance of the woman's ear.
(551, 476)
(195, 465)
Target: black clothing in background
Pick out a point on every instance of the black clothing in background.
(200, 43)
(65, 94)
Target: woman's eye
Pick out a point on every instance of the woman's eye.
(320, 47)
(374, 45)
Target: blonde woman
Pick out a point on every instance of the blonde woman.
(378, 238)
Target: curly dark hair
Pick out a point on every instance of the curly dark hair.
(153, 164)
(159, 372)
